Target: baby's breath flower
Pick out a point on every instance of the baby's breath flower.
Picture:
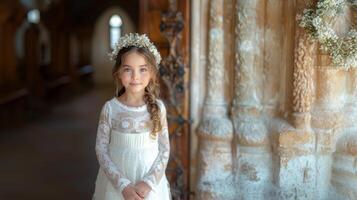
(343, 50)
(134, 39)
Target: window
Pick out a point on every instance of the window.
(115, 24)
(33, 16)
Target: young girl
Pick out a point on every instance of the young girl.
(132, 144)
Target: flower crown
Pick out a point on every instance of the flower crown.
(134, 39)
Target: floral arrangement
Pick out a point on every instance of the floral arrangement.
(134, 39)
(343, 50)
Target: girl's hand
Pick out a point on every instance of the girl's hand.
(142, 189)
(129, 193)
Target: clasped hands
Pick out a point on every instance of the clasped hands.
(136, 192)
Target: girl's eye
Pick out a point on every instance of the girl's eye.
(126, 70)
(143, 70)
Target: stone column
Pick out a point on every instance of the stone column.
(214, 173)
(327, 117)
(296, 174)
(197, 86)
(344, 177)
(343, 173)
(253, 161)
(341, 120)
(344, 165)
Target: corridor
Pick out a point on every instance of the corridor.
(53, 157)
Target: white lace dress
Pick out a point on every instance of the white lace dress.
(126, 153)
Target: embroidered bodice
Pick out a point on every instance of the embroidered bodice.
(116, 116)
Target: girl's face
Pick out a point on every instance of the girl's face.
(134, 73)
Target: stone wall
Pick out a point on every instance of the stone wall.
(277, 119)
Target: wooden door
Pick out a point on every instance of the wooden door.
(166, 22)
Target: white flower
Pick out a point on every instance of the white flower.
(317, 21)
(134, 39)
(318, 24)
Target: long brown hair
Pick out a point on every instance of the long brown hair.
(152, 90)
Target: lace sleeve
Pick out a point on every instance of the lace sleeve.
(101, 147)
(158, 167)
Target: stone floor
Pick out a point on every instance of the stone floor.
(53, 157)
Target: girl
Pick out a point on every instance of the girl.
(132, 144)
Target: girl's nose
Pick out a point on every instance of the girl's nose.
(135, 75)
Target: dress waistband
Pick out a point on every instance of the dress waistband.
(132, 140)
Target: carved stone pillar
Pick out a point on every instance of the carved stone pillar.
(296, 174)
(344, 177)
(253, 161)
(215, 130)
(343, 173)
(327, 112)
(327, 117)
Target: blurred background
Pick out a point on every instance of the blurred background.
(54, 77)
(245, 122)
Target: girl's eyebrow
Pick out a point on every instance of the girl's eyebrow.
(145, 65)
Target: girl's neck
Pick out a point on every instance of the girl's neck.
(132, 99)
